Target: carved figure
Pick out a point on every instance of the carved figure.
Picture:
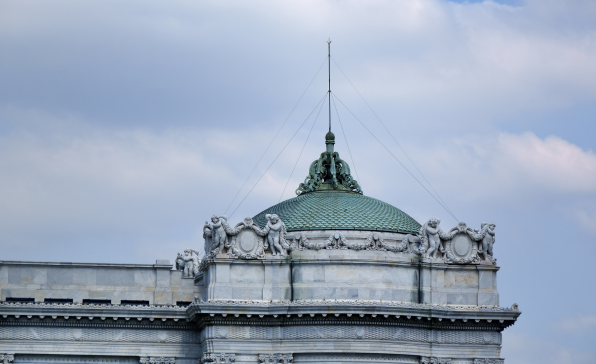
(430, 232)
(219, 236)
(188, 264)
(208, 236)
(276, 233)
(488, 230)
(196, 262)
(179, 262)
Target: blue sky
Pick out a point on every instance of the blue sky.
(125, 125)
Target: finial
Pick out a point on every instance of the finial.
(330, 141)
(329, 172)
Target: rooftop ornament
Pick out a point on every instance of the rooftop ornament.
(329, 172)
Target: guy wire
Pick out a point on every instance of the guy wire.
(392, 137)
(348, 144)
(322, 100)
(398, 161)
(299, 155)
(273, 139)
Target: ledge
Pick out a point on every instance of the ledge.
(86, 265)
(418, 313)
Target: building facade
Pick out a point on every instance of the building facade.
(330, 276)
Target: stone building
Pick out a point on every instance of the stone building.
(330, 276)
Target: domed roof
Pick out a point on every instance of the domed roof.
(330, 198)
(339, 210)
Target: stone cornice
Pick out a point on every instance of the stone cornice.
(85, 265)
(413, 313)
(92, 312)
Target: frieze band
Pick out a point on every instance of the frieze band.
(102, 335)
(355, 332)
(246, 240)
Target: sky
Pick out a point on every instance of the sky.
(124, 125)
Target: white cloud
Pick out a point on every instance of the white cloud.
(509, 166)
(551, 164)
(576, 325)
(470, 62)
(526, 349)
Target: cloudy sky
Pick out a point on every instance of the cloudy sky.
(124, 125)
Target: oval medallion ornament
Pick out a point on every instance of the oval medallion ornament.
(246, 243)
(462, 245)
(247, 240)
(461, 249)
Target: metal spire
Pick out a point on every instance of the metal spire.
(329, 56)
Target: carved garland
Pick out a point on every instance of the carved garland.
(416, 244)
(234, 251)
(218, 358)
(489, 361)
(376, 242)
(451, 258)
(6, 358)
(276, 358)
(434, 360)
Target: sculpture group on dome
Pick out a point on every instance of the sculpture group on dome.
(460, 245)
(331, 169)
(188, 263)
(247, 240)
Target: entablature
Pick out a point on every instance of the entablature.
(370, 312)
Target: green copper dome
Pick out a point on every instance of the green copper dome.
(339, 210)
(330, 198)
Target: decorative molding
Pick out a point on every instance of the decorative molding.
(376, 242)
(246, 240)
(6, 358)
(489, 361)
(93, 306)
(354, 332)
(301, 303)
(434, 360)
(50, 358)
(98, 335)
(157, 360)
(217, 358)
(276, 358)
(357, 358)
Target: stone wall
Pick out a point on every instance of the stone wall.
(349, 275)
(155, 284)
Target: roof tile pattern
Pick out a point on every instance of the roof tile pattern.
(339, 210)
